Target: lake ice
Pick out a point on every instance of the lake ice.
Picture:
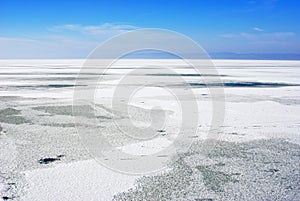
(255, 156)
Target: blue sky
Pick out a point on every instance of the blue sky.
(66, 29)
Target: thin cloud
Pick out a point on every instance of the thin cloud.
(106, 28)
(229, 35)
(284, 34)
(60, 43)
(259, 35)
(257, 29)
(20, 40)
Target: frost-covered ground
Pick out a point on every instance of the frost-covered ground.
(255, 157)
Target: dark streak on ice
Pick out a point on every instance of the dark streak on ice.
(49, 86)
(50, 160)
(186, 75)
(243, 84)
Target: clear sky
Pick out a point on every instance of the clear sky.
(71, 29)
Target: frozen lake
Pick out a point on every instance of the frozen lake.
(256, 153)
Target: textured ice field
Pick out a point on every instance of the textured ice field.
(256, 153)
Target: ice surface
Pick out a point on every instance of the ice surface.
(262, 117)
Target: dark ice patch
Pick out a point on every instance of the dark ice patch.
(63, 125)
(48, 86)
(69, 110)
(12, 116)
(50, 160)
(215, 180)
(185, 75)
(248, 170)
(244, 84)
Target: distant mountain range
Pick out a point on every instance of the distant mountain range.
(269, 56)
(149, 54)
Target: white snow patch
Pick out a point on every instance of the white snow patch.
(147, 147)
(84, 180)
